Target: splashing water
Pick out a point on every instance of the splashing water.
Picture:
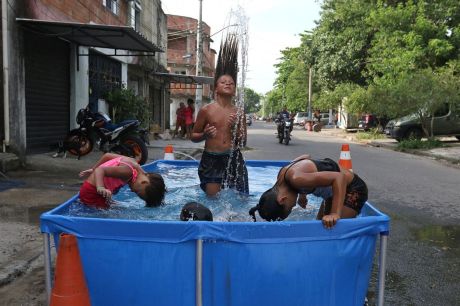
(239, 19)
(183, 187)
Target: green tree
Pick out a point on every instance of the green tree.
(422, 93)
(251, 100)
(126, 105)
(341, 42)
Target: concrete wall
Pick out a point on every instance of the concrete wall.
(85, 11)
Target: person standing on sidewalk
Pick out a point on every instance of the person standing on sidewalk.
(188, 113)
(180, 120)
(223, 128)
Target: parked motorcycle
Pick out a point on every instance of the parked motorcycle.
(125, 138)
(284, 127)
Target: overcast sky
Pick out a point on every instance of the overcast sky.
(273, 26)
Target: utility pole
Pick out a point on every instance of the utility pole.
(199, 61)
(309, 93)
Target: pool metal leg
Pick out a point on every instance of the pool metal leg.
(382, 267)
(199, 272)
(47, 258)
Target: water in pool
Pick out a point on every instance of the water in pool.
(183, 186)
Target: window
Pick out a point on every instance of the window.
(442, 110)
(135, 9)
(112, 5)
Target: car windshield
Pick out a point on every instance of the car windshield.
(302, 114)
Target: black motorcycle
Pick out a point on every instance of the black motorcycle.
(125, 138)
(284, 127)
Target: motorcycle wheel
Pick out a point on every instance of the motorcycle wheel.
(78, 143)
(286, 139)
(135, 148)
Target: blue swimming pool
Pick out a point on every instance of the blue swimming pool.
(145, 262)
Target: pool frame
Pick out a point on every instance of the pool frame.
(54, 214)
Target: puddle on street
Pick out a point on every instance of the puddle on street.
(445, 237)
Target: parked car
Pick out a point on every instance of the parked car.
(300, 118)
(370, 121)
(446, 123)
(324, 118)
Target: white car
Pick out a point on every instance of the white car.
(300, 118)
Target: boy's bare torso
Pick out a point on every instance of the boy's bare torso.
(218, 116)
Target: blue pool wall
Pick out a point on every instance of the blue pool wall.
(129, 262)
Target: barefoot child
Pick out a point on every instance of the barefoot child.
(223, 131)
(112, 172)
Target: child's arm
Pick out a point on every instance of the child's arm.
(103, 159)
(122, 172)
(202, 129)
(318, 179)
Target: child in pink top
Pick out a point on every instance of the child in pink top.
(112, 172)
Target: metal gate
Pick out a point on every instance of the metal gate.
(47, 91)
(104, 76)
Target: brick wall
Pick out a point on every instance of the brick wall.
(84, 11)
(181, 52)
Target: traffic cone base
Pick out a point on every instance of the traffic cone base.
(345, 157)
(69, 281)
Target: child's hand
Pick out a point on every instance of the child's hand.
(232, 118)
(107, 194)
(330, 220)
(86, 173)
(209, 131)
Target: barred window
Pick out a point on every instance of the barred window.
(112, 5)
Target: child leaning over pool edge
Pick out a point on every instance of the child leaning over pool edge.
(344, 192)
(112, 172)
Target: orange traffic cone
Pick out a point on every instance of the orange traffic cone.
(69, 281)
(345, 157)
(169, 152)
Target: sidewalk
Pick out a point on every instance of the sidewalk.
(184, 149)
(450, 153)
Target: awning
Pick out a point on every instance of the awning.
(183, 79)
(92, 35)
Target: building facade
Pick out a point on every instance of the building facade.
(182, 59)
(61, 55)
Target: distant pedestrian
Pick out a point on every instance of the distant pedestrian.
(180, 120)
(189, 120)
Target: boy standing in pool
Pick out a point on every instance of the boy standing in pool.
(223, 128)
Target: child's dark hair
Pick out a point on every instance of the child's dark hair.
(155, 192)
(268, 207)
(196, 212)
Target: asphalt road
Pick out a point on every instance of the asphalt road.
(421, 195)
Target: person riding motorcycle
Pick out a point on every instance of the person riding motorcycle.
(281, 117)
